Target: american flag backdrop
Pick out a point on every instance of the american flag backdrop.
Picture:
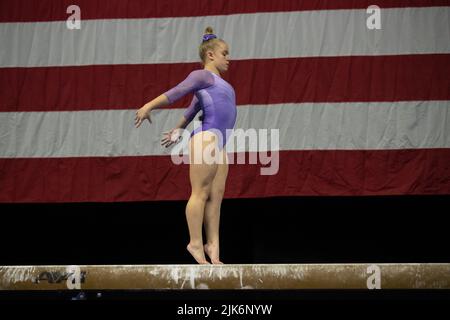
(360, 111)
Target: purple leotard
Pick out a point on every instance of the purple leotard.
(214, 96)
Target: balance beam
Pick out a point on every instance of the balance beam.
(228, 276)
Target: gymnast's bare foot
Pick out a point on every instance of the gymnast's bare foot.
(213, 253)
(197, 253)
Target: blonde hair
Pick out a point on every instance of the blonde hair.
(210, 44)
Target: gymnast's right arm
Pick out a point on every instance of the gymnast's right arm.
(196, 80)
(144, 112)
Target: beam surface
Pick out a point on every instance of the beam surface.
(228, 276)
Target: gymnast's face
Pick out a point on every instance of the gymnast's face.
(220, 57)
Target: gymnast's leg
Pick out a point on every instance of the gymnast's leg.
(201, 175)
(212, 210)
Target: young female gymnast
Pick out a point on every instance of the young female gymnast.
(216, 98)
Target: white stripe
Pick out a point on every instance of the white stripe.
(308, 126)
(250, 36)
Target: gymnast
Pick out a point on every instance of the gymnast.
(216, 99)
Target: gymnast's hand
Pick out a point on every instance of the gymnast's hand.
(171, 137)
(142, 114)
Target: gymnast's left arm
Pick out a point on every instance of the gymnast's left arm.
(173, 135)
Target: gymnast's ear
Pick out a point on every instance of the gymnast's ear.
(209, 54)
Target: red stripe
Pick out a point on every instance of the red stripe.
(52, 10)
(382, 172)
(260, 81)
